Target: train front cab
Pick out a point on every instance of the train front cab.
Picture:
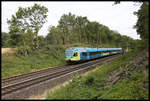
(75, 57)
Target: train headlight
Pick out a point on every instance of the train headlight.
(67, 59)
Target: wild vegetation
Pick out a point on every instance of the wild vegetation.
(37, 52)
(142, 25)
(131, 83)
(14, 64)
(124, 78)
(71, 31)
(26, 23)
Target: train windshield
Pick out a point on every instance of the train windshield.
(68, 53)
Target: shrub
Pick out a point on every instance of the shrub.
(23, 50)
(89, 80)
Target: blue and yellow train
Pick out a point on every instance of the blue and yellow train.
(75, 54)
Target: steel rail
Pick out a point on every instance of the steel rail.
(14, 79)
(16, 86)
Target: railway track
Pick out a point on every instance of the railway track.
(19, 82)
(26, 76)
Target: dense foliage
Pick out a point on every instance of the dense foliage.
(133, 81)
(14, 64)
(5, 37)
(73, 30)
(25, 25)
(78, 29)
(98, 85)
(142, 25)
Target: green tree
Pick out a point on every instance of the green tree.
(29, 18)
(79, 29)
(5, 37)
(54, 35)
(92, 32)
(42, 41)
(81, 23)
(67, 25)
(142, 25)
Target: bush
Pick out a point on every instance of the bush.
(24, 50)
(89, 80)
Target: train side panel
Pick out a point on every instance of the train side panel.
(89, 53)
(84, 56)
(92, 55)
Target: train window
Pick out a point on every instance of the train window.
(84, 54)
(89, 53)
(105, 51)
(99, 52)
(68, 53)
(93, 53)
(75, 54)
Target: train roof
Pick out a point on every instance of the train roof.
(86, 49)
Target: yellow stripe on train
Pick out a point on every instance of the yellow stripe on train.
(106, 53)
(114, 52)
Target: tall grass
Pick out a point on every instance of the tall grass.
(48, 56)
(93, 85)
(13, 64)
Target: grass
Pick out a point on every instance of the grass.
(53, 55)
(92, 86)
(127, 89)
(13, 64)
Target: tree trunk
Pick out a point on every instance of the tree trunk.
(25, 50)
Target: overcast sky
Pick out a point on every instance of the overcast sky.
(118, 17)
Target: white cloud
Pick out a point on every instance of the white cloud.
(119, 17)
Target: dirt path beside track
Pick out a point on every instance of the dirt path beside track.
(8, 50)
